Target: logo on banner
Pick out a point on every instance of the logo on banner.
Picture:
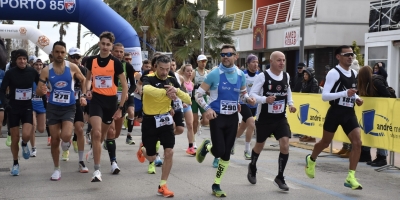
(135, 53)
(43, 41)
(22, 31)
(69, 6)
(369, 118)
(308, 115)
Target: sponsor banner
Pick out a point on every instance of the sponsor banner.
(136, 53)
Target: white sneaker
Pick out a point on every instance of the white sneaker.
(114, 168)
(33, 153)
(56, 175)
(96, 176)
(65, 145)
(83, 169)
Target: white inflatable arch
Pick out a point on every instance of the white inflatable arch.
(27, 32)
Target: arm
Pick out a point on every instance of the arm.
(199, 96)
(124, 84)
(256, 89)
(289, 93)
(331, 78)
(78, 75)
(3, 88)
(130, 73)
(42, 82)
(148, 89)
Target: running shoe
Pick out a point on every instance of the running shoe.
(14, 170)
(96, 176)
(251, 174)
(215, 162)
(152, 168)
(216, 190)
(83, 168)
(8, 141)
(75, 145)
(164, 191)
(33, 153)
(129, 141)
(114, 168)
(105, 145)
(310, 167)
(25, 151)
(281, 184)
(88, 141)
(191, 151)
(351, 182)
(65, 155)
(247, 155)
(158, 162)
(202, 151)
(56, 176)
(139, 154)
(48, 141)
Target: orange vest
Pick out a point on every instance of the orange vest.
(103, 78)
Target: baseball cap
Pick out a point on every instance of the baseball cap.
(37, 60)
(32, 58)
(201, 57)
(73, 51)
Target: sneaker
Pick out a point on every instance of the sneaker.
(216, 190)
(281, 184)
(114, 168)
(310, 167)
(202, 151)
(251, 174)
(75, 145)
(25, 151)
(8, 141)
(139, 154)
(96, 176)
(191, 151)
(247, 155)
(48, 141)
(351, 182)
(215, 162)
(65, 155)
(129, 141)
(105, 145)
(152, 168)
(88, 141)
(33, 153)
(14, 170)
(158, 162)
(164, 191)
(83, 169)
(56, 176)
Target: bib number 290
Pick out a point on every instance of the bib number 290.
(228, 107)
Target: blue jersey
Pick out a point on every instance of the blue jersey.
(225, 90)
(62, 87)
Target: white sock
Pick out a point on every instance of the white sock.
(247, 147)
(194, 144)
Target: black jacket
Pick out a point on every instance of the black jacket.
(310, 86)
(297, 83)
(380, 86)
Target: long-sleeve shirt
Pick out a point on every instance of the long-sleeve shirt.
(331, 78)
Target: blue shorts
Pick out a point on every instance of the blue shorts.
(38, 107)
(188, 108)
(138, 104)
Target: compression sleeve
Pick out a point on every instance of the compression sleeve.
(200, 99)
(331, 78)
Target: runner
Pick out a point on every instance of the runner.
(158, 90)
(3, 61)
(340, 90)
(272, 91)
(226, 85)
(106, 71)
(19, 80)
(179, 127)
(61, 108)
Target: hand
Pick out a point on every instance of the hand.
(292, 109)
(117, 114)
(171, 96)
(82, 100)
(170, 89)
(270, 99)
(210, 114)
(184, 105)
(351, 92)
(172, 112)
(251, 101)
(43, 89)
(359, 102)
(89, 95)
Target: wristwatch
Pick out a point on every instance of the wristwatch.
(120, 107)
(83, 95)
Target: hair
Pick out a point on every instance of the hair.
(340, 49)
(155, 56)
(107, 35)
(126, 53)
(163, 59)
(227, 46)
(61, 43)
(50, 56)
(365, 85)
(146, 62)
(118, 45)
(183, 68)
(173, 60)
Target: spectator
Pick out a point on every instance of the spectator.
(327, 68)
(379, 68)
(298, 79)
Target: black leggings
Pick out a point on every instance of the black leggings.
(223, 131)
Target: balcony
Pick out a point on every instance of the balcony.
(241, 20)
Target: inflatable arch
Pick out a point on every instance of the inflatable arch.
(93, 14)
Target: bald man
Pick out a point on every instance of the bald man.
(272, 93)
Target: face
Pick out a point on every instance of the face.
(51, 58)
(146, 66)
(31, 62)
(59, 53)
(376, 69)
(278, 61)
(306, 77)
(118, 52)
(105, 46)
(188, 71)
(345, 58)
(21, 62)
(173, 66)
(300, 69)
(38, 66)
(252, 67)
(128, 58)
(228, 61)
(202, 64)
(76, 59)
(162, 70)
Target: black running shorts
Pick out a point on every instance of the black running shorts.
(280, 128)
(103, 107)
(339, 115)
(18, 115)
(151, 134)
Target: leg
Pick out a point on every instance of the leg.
(55, 143)
(355, 139)
(322, 144)
(96, 135)
(195, 122)
(14, 132)
(167, 165)
(189, 127)
(33, 130)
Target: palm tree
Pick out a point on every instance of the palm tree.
(78, 40)
(36, 47)
(62, 30)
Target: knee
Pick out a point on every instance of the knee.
(356, 144)
(178, 130)
(168, 153)
(96, 134)
(40, 129)
(189, 126)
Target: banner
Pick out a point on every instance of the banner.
(379, 124)
(292, 38)
(260, 37)
(136, 53)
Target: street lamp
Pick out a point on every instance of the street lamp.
(144, 29)
(203, 14)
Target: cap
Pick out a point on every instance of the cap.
(73, 51)
(21, 52)
(201, 57)
(31, 58)
(301, 65)
(37, 60)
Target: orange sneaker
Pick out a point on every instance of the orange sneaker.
(48, 141)
(163, 190)
(140, 155)
(191, 151)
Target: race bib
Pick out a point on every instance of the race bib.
(61, 96)
(103, 82)
(119, 94)
(228, 107)
(178, 104)
(347, 101)
(23, 94)
(276, 107)
(162, 120)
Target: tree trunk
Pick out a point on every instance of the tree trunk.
(61, 32)
(36, 47)
(78, 40)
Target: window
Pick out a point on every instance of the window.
(377, 54)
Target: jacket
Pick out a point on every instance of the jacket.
(310, 86)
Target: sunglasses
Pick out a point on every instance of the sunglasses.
(227, 54)
(75, 57)
(347, 54)
(128, 59)
(299, 67)
(203, 61)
